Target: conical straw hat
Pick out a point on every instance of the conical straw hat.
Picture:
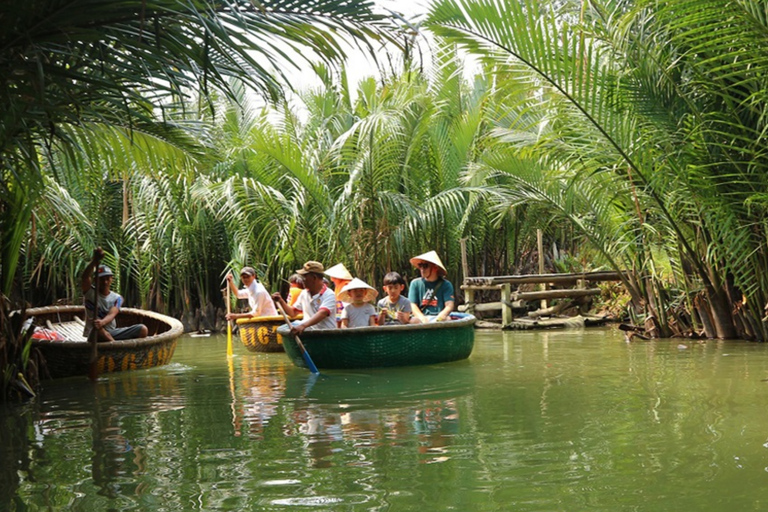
(339, 272)
(370, 292)
(430, 257)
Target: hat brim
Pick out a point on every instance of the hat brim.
(440, 269)
(370, 295)
(339, 272)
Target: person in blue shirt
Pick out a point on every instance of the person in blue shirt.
(431, 295)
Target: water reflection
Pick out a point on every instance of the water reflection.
(259, 386)
(342, 411)
(530, 421)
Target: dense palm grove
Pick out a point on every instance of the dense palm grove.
(625, 130)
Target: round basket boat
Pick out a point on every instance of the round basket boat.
(388, 345)
(72, 356)
(259, 334)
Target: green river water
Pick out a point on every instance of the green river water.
(532, 421)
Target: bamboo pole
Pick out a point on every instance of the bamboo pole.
(469, 293)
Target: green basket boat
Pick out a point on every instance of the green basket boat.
(395, 345)
(69, 353)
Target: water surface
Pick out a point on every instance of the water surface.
(554, 420)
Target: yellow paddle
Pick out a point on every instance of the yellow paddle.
(229, 324)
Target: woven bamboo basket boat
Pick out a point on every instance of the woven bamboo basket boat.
(72, 356)
(259, 334)
(388, 345)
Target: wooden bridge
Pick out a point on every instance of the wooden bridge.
(514, 299)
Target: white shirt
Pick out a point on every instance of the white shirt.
(311, 304)
(259, 299)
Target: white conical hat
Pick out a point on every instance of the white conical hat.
(339, 272)
(370, 292)
(430, 257)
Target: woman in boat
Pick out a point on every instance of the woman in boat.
(258, 297)
(340, 277)
(317, 302)
(431, 295)
(105, 304)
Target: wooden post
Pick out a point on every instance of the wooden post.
(540, 244)
(469, 294)
(464, 264)
(506, 308)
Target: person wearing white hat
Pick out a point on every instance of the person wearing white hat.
(431, 295)
(359, 312)
(259, 299)
(340, 277)
(104, 304)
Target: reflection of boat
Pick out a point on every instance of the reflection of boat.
(382, 388)
(259, 334)
(388, 345)
(72, 356)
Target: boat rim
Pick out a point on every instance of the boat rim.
(176, 328)
(463, 320)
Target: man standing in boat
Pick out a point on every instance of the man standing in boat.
(431, 295)
(317, 302)
(258, 297)
(107, 306)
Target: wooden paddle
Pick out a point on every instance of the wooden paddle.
(229, 324)
(304, 353)
(93, 337)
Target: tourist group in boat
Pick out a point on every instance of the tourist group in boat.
(351, 301)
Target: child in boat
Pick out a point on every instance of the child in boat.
(394, 308)
(359, 312)
(296, 284)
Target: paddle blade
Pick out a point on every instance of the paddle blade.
(305, 355)
(229, 339)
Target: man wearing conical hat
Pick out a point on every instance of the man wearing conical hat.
(431, 295)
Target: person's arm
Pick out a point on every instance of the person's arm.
(445, 312)
(231, 281)
(86, 279)
(414, 296)
(101, 322)
(289, 310)
(316, 319)
(418, 315)
(448, 300)
(372, 321)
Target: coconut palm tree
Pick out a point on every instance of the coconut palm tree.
(652, 122)
(125, 66)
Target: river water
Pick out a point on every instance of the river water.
(533, 421)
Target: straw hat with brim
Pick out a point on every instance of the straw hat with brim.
(339, 272)
(430, 257)
(357, 284)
